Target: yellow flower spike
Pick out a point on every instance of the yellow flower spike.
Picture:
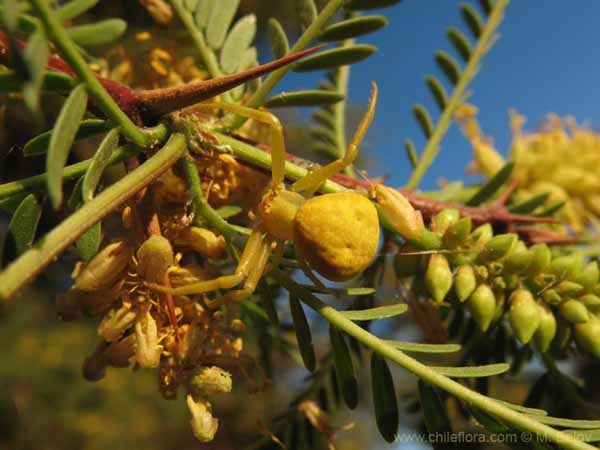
(154, 256)
(147, 349)
(209, 381)
(206, 243)
(204, 425)
(398, 211)
(105, 268)
(115, 322)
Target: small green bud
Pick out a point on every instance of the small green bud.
(568, 288)
(482, 273)
(438, 277)
(155, 256)
(499, 282)
(482, 305)
(541, 257)
(564, 267)
(547, 328)
(482, 234)
(406, 265)
(587, 336)
(543, 280)
(462, 258)
(552, 297)
(105, 268)
(442, 220)
(589, 276)
(523, 315)
(590, 300)
(497, 247)
(457, 233)
(495, 268)
(512, 281)
(519, 259)
(464, 282)
(574, 311)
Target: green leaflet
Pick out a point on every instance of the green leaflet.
(278, 41)
(303, 335)
(307, 12)
(221, 16)
(324, 117)
(571, 423)
(99, 162)
(492, 185)
(472, 19)
(460, 43)
(36, 56)
(61, 140)
(203, 9)
(228, 211)
(190, 5)
(10, 204)
(423, 119)
(39, 144)
(384, 398)
(438, 92)
(530, 204)
(354, 27)
(434, 411)
(344, 368)
(448, 65)
(303, 98)
(23, 224)
(487, 6)
(97, 33)
(10, 14)
(88, 243)
(370, 4)
(486, 370)
(73, 9)
(51, 81)
(340, 292)
(381, 312)
(238, 40)
(336, 57)
(424, 348)
(411, 153)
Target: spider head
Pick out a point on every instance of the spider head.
(277, 211)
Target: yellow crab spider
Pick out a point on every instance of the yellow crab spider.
(336, 235)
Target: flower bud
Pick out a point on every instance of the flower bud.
(523, 315)
(568, 288)
(398, 211)
(105, 268)
(518, 260)
(574, 311)
(203, 241)
(541, 257)
(406, 265)
(497, 247)
(147, 349)
(438, 277)
(464, 282)
(210, 380)
(565, 267)
(482, 305)
(590, 300)
(204, 425)
(587, 336)
(511, 281)
(115, 322)
(590, 275)
(499, 282)
(546, 330)
(155, 256)
(457, 233)
(482, 234)
(442, 220)
(552, 297)
(481, 273)
(119, 353)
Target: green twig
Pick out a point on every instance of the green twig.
(379, 346)
(203, 209)
(32, 262)
(103, 100)
(483, 45)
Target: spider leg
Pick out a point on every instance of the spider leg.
(314, 179)
(253, 247)
(277, 141)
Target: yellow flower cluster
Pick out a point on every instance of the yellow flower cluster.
(559, 159)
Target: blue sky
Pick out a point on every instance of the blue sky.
(546, 60)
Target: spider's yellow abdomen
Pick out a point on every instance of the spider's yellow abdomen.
(337, 234)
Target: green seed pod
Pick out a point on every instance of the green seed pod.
(552, 297)
(464, 282)
(574, 311)
(438, 277)
(497, 247)
(568, 288)
(105, 268)
(546, 330)
(541, 257)
(442, 220)
(482, 305)
(519, 259)
(589, 276)
(457, 233)
(587, 336)
(523, 315)
(590, 300)
(406, 265)
(482, 234)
